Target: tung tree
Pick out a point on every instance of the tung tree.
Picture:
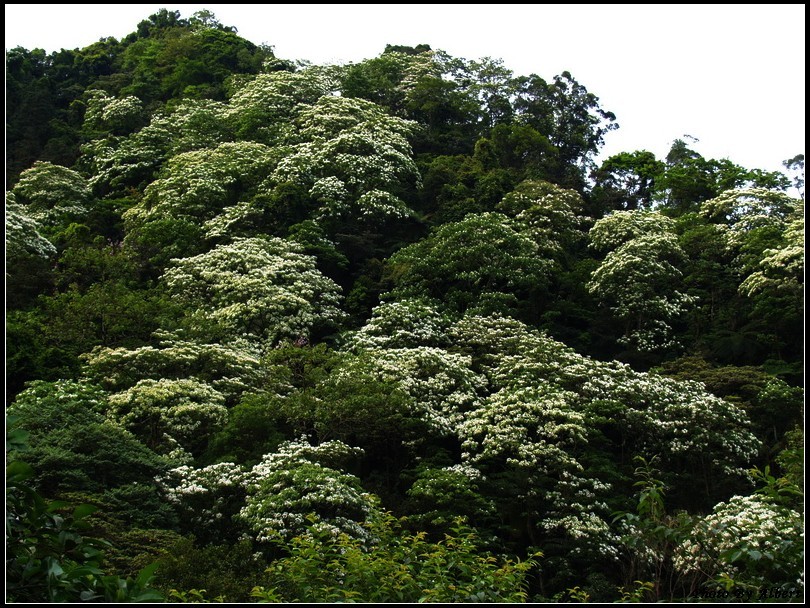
(258, 289)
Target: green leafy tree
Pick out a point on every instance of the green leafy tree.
(51, 555)
(626, 181)
(483, 262)
(398, 567)
(73, 447)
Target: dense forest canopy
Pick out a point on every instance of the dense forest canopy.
(385, 331)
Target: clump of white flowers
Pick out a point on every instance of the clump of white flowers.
(23, 233)
(640, 276)
(263, 289)
(278, 498)
(52, 193)
(230, 369)
(186, 411)
(405, 323)
(750, 537)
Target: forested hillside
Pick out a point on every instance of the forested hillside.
(386, 332)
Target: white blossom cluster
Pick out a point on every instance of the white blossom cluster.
(781, 270)
(289, 485)
(115, 162)
(186, 410)
(263, 108)
(747, 209)
(402, 324)
(276, 498)
(619, 227)
(200, 184)
(549, 399)
(116, 114)
(258, 288)
(52, 193)
(62, 391)
(23, 233)
(230, 369)
(745, 524)
(353, 156)
(550, 214)
(639, 277)
(441, 384)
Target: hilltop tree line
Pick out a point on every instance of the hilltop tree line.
(385, 331)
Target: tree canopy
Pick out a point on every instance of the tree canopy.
(386, 331)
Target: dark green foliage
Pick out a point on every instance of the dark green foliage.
(49, 555)
(255, 428)
(73, 447)
(482, 262)
(228, 572)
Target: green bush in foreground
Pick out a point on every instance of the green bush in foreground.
(398, 566)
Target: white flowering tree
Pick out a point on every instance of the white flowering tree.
(354, 158)
(657, 415)
(527, 441)
(195, 199)
(170, 414)
(781, 270)
(23, 233)
(263, 290)
(762, 232)
(616, 229)
(404, 323)
(207, 499)
(441, 385)
(230, 369)
(299, 481)
(117, 163)
(639, 279)
(551, 215)
(53, 194)
(262, 109)
(116, 115)
(535, 436)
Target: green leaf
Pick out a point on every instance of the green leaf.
(83, 510)
(18, 471)
(146, 574)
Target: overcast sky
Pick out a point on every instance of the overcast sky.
(732, 76)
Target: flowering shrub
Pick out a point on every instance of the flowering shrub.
(551, 215)
(23, 233)
(230, 369)
(298, 480)
(404, 323)
(748, 540)
(441, 384)
(207, 499)
(164, 412)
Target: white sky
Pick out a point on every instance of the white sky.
(731, 75)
